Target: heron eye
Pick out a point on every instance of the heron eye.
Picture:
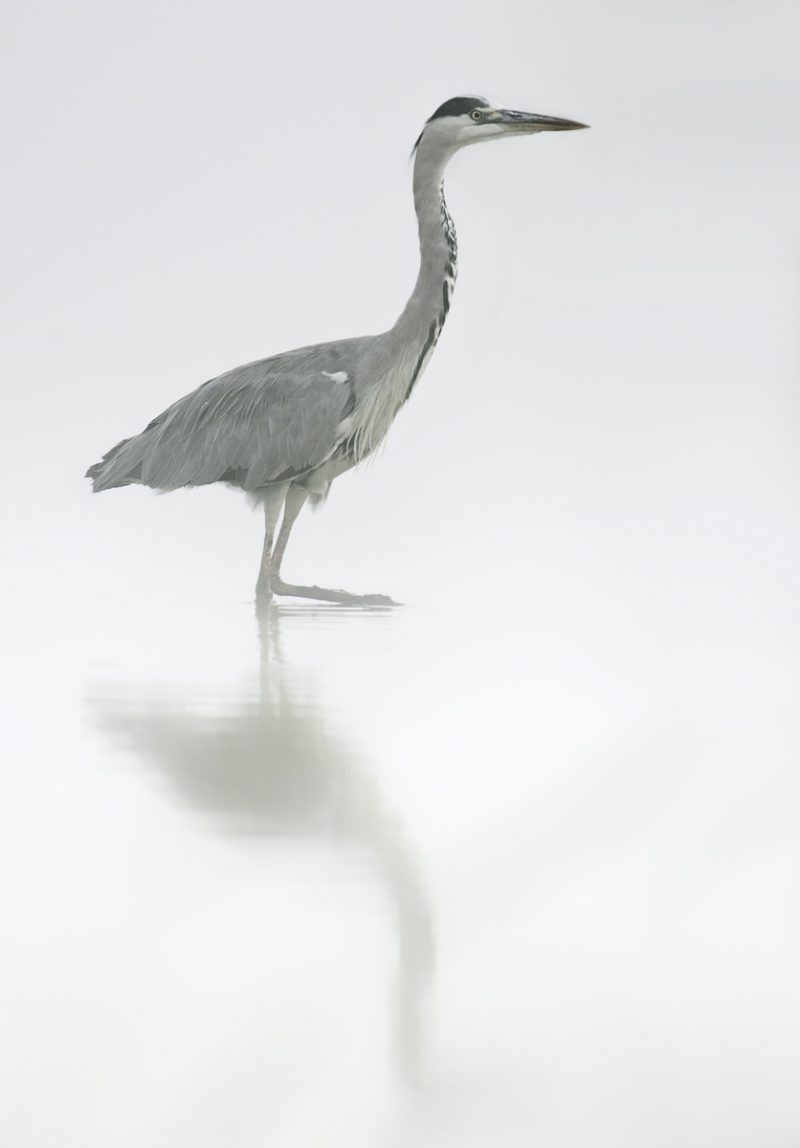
(476, 115)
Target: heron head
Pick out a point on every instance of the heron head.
(471, 119)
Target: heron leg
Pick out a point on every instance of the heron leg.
(294, 503)
(273, 503)
(295, 500)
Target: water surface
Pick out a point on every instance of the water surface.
(429, 876)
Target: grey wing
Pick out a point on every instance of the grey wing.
(268, 421)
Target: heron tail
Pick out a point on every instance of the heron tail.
(120, 466)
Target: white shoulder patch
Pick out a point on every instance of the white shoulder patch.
(336, 376)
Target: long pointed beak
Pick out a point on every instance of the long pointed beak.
(528, 122)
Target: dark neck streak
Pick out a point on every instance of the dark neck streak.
(419, 326)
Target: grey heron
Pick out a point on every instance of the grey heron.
(283, 428)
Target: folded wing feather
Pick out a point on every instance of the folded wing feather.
(267, 421)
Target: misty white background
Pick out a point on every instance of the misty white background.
(583, 726)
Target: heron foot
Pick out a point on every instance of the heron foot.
(320, 594)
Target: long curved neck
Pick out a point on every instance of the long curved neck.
(423, 316)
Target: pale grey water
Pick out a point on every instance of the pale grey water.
(403, 878)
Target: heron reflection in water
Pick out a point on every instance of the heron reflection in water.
(272, 766)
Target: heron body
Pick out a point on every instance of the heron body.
(283, 428)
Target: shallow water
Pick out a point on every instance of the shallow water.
(424, 876)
